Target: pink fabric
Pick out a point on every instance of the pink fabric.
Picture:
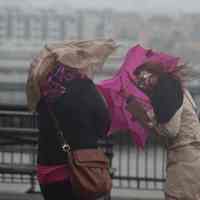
(49, 174)
(120, 118)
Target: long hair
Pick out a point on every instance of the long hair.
(167, 94)
(157, 68)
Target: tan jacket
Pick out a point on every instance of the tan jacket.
(183, 156)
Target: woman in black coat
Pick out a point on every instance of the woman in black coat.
(83, 118)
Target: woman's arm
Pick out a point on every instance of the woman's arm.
(172, 127)
(138, 111)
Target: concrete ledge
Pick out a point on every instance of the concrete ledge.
(20, 196)
(16, 196)
(130, 194)
(117, 194)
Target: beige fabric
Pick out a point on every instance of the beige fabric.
(183, 172)
(183, 159)
(189, 128)
(173, 126)
(83, 54)
(76, 54)
(189, 97)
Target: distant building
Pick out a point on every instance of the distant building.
(46, 25)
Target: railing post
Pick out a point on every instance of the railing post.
(109, 153)
(32, 188)
(32, 184)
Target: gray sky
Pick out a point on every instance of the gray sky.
(122, 5)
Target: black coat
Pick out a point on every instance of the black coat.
(82, 115)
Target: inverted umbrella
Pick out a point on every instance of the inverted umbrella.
(122, 80)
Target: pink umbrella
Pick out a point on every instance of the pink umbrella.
(120, 117)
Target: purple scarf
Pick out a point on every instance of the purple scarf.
(54, 85)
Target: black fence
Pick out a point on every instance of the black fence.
(137, 168)
(18, 146)
(131, 167)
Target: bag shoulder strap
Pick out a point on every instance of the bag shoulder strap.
(64, 144)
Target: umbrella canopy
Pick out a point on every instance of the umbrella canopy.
(120, 117)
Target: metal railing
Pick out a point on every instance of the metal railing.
(131, 167)
(136, 168)
(18, 146)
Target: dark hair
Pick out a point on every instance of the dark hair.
(156, 68)
(166, 97)
(160, 69)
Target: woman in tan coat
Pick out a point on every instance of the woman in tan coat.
(174, 118)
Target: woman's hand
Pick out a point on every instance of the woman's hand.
(137, 110)
(124, 93)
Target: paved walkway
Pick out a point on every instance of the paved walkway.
(20, 196)
(15, 192)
